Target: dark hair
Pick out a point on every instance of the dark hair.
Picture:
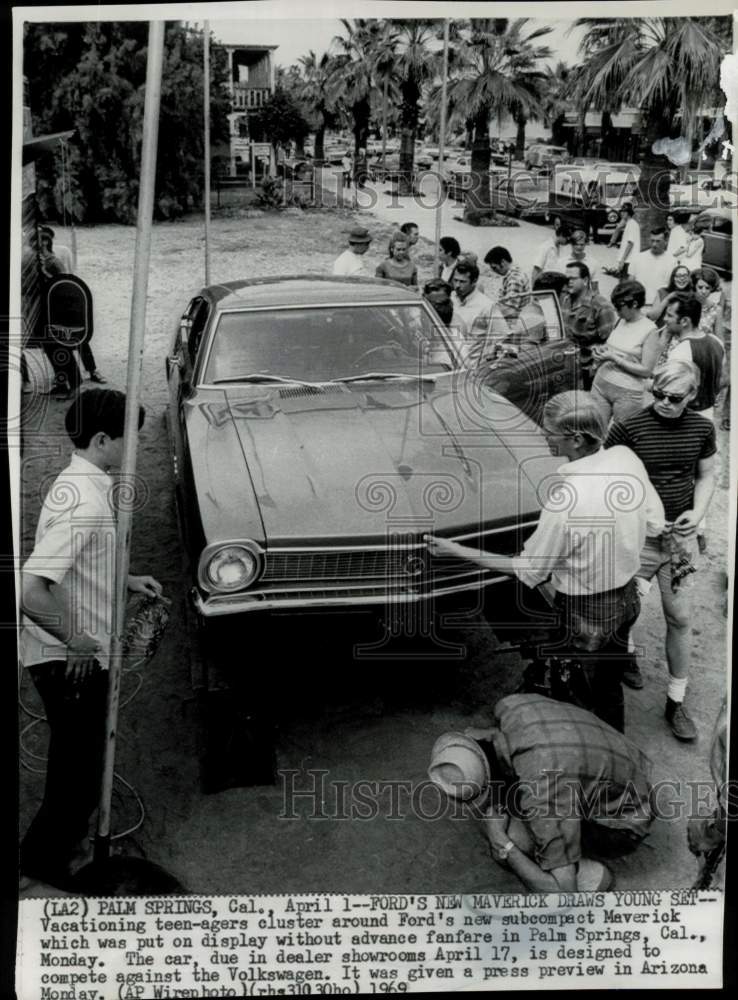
(437, 285)
(46, 231)
(98, 410)
(627, 206)
(581, 267)
(496, 255)
(450, 245)
(658, 231)
(407, 226)
(671, 287)
(688, 307)
(565, 232)
(629, 290)
(467, 268)
(444, 311)
(706, 274)
(553, 281)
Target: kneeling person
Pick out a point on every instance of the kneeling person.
(553, 784)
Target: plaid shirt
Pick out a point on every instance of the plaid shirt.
(570, 767)
(587, 321)
(513, 285)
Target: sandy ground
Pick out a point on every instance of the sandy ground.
(352, 718)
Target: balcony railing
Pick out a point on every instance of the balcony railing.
(246, 98)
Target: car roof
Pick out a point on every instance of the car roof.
(307, 290)
(718, 212)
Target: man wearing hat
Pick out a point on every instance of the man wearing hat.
(350, 264)
(552, 783)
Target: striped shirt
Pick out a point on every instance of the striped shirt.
(670, 449)
(569, 766)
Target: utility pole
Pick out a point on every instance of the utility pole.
(441, 144)
(206, 144)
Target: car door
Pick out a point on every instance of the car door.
(531, 360)
(719, 243)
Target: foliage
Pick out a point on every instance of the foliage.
(279, 120)
(668, 67)
(271, 193)
(91, 78)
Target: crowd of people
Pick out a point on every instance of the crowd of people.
(652, 364)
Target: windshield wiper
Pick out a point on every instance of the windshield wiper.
(258, 377)
(384, 376)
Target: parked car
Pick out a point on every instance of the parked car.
(543, 157)
(522, 195)
(321, 426)
(291, 398)
(718, 237)
(589, 197)
(704, 192)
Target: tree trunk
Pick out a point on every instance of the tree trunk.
(408, 128)
(606, 151)
(477, 197)
(582, 136)
(361, 113)
(520, 121)
(319, 151)
(558, 132)
(653, 186)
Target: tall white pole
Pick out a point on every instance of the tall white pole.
(154, 62)
(206, 144)
(441, 144)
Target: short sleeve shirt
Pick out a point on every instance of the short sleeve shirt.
(349, 264)
(671, 451)
(75, 550)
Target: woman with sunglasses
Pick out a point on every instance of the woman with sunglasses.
(628, 357)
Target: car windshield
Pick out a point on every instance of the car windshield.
(322, 343)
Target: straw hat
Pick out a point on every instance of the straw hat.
(359, 235)
(459, 767)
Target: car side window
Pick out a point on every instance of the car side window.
(723, 226)
(199, 317)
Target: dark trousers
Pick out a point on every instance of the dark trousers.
(76, 718)
(64, 362)
(87, 357)
(592, 644)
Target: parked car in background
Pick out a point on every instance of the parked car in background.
(543, 157)
(523, 195)
(718, 236)
(589, 198)
(705, 192)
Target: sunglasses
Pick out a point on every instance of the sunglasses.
(671, 396)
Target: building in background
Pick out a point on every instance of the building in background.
(250, 84)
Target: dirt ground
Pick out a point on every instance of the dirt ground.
(352, 717)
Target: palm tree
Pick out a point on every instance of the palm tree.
(318, 97)
(353, 78)
(525, 58)
(415, 65)
(667, 67)
(556, 100)
(483, 82)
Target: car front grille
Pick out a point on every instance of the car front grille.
(403, 560)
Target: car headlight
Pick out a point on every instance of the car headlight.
(612, 217)
(231, 566)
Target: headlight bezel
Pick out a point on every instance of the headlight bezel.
(215, 549)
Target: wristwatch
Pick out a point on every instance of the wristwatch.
(501, 853)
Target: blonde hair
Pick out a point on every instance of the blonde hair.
(673, 372)
(397, 237)
(575, 412)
